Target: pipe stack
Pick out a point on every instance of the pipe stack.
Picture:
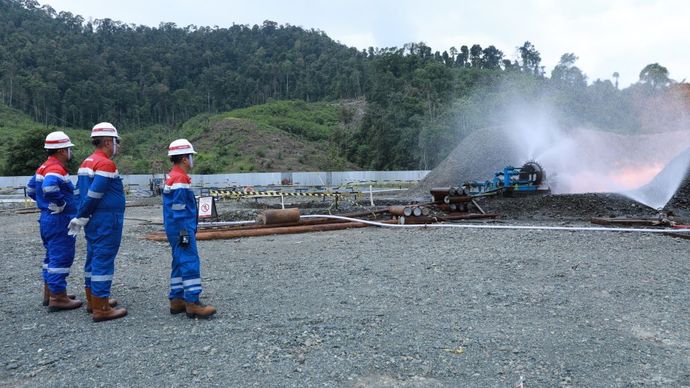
(410, 212)
(451, 199)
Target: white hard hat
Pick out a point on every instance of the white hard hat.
(104, 130)
(180, 147)
(57, 140)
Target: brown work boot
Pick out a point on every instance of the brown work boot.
(46, 295)
(199, 310)
(60, 301)
(111, 301)
(177, 306)
(102, 310)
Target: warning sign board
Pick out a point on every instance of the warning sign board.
(207, 207)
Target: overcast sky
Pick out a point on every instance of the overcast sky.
(607, 36)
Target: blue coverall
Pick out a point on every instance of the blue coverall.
(103, 200)
(179, 215)
(51, 184)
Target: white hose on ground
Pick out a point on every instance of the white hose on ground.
(484, 226)
(226, 223)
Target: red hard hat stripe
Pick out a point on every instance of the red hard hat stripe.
(179, 147)
(57, 141)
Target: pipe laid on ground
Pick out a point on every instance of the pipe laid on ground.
(466, 216)
(400, 210)
(363, 213)
(416, 220)
(227, 234)
(253, 225)
(224, 223)
(278, 216)
(357, 223)
(625, 221)
(527, 227)
(249, 224)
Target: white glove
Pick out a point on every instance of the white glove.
(75, 225)
(55, 209)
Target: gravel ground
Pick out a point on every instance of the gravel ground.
(364, 307)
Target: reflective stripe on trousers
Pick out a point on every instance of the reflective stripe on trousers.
(103, 233)
(185, 279)
(59, 250)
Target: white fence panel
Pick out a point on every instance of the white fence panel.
(334, 178)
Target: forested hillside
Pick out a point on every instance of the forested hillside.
(64, 71)
(276, 136)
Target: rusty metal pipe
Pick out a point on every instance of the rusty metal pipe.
(400, 210)
(417, 220)
(438, 193)
(468, 216)
(254, 225)
(457, 192)
(278, 216)
(363, 213)
(447, 207)
(477, 206)
(228, 234)
(455, 199)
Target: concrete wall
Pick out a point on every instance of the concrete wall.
(335, 178)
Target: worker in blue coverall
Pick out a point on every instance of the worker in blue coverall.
(101, 214)
(180, 218)
(53, 192)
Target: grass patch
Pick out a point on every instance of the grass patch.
(315, 121)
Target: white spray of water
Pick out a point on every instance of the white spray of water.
(584, 160)
(661, 189)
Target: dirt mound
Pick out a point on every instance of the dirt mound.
(566, 207)
(681, 200)
(476, 158)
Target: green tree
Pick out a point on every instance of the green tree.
(616, 76)
(566, 74)
(26, 153)
(491, 58)
(531, 59)
(655, 76)
(476, 56)
(461, 59)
